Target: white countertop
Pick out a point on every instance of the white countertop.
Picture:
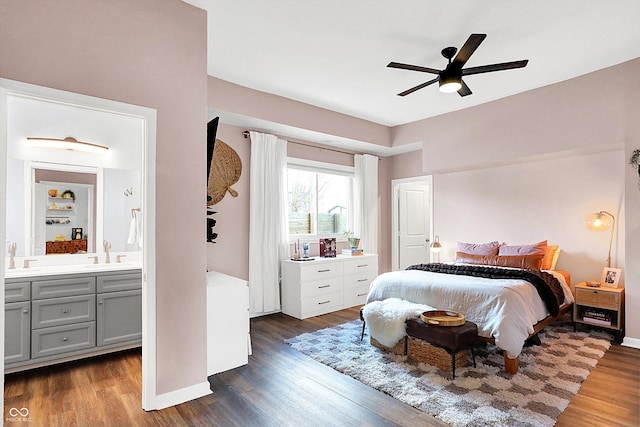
(53, 270)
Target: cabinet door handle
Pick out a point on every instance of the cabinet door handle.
(25, 311)
(324, 271)
(324, 302)
(363, 265)
(324, 286)
(100, 302)
(361, 295)
(362, 280)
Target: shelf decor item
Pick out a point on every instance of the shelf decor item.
(68, 194)
(610, 277)
(53, 192)
(76, 233)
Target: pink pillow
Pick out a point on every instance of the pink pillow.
(511, 250)
(490, 248)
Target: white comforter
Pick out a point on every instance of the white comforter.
(505, 309)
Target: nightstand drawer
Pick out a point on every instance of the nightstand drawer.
(598, 298)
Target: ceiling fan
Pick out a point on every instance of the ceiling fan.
(450, 79)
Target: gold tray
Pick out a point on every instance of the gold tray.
(443, 318)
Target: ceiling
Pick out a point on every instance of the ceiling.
(333, 53)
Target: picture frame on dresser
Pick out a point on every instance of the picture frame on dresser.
(610, 277)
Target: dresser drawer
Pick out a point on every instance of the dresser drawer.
(598, 298)
(311, 272)
(321, 304)
(358, 264)
(359, 280)
(63, 311)
(62, 339)
(119, 282)
(321, 287)
(355, 296)
(16, 292)
(42, 289)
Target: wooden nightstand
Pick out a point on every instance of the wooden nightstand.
(602, 307)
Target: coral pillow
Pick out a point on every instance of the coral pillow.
(536, 248)
(550, 258)
(490, 248)
(531, 261)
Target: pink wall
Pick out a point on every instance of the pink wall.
(230, 97)
(150, 53)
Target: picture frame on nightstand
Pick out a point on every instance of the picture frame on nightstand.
(610, 277)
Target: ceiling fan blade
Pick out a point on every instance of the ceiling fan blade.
(420, 86)
(467, 49)
(413, 67)
(464, 90)
(494, 67)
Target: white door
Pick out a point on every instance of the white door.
(414, 223)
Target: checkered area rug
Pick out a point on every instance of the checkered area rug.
(550, 375)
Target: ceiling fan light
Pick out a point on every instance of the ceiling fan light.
(450, 87)
(450, 81)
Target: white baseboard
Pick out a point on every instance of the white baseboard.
(631, 342)
(183, 395)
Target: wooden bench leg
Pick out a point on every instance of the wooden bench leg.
(510, 365)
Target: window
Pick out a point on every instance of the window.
(319, 198)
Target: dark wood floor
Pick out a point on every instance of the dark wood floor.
(279, 387)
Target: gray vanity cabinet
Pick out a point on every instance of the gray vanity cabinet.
(119, 314)
(60, 318)
(17, 321)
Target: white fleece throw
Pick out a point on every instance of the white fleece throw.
(385, 319)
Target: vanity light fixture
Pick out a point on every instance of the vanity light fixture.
(600, 221)
(69, 143)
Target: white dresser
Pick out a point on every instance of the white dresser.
(323, 285)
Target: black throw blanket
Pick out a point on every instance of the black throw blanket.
(548, 287)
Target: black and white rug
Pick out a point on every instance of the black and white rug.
(550, 375)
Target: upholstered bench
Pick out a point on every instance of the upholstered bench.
(453, 339)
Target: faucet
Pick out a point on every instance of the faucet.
(94, 258)
(107, 246)
(119, 258)
(12, 255)
(26, 262)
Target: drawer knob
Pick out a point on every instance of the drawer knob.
(25, 311)
(100, 302)
(65, 339)
(65, 310)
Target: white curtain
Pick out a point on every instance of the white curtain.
(366, 201)
(268, 229)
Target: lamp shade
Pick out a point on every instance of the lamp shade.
(599, 221)
(436, 246)
(602, 221)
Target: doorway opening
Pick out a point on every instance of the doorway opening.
(84, 110)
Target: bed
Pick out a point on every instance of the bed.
(503, 294)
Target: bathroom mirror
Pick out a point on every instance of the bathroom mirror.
(104, 203)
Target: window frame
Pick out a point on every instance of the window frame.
(327, 168)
